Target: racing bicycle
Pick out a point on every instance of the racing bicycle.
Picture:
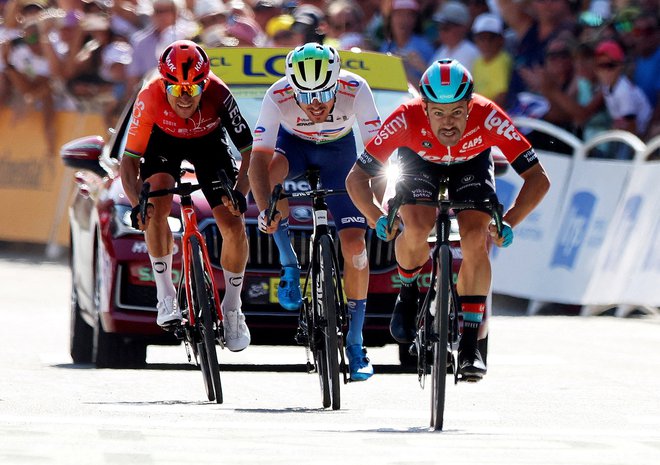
(438, 318)
(197, 294)
(321, 319)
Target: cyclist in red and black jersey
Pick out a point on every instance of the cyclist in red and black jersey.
(449, 131)
(186, 113)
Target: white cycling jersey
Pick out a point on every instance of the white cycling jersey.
(354, 102)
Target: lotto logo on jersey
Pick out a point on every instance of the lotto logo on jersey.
(504, 126)
(390, 128)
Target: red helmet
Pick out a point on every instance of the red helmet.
(184, 62)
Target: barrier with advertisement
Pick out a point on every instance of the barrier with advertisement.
(34, 184)
(594, 240)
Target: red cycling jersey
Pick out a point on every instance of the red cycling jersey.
(216, 107)
(487, 126)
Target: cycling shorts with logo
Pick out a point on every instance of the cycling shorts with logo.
(334, 160)
(208, 154)
(469, 180)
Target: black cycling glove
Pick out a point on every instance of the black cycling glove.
(241, 201)
(135, 212)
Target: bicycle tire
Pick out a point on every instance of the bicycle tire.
(203, 297)
(326, 305)
(443, 301)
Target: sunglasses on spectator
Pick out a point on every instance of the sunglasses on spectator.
(176, 90)
(609, 65)
(323, 96)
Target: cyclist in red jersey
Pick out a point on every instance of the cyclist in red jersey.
(449, 131)
(186, 113)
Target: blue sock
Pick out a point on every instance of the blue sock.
(281, 236)
(356, 311)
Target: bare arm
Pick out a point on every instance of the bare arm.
(514, 14)
(242, 181)
(129, 170)
(259, 178)
(535, 186)
(361, 193)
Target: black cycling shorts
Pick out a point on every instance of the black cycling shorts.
(208, 154)
(469, 180)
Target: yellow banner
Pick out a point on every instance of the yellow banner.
(35, 186)
(263, 66)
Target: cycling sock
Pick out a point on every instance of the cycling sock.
(356, 311)
(473, 308)
(233, 285)
(283, 241)
(408, 277)
(162, 267)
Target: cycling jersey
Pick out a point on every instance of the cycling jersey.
(217, 107)
(487, 126)
(354, 101)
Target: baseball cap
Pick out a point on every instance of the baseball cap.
(453, 12)
(405, 5)
(204, 8)
(612, 50)
(487, 22)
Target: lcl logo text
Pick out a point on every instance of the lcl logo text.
(270, 66)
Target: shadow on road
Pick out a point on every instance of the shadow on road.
(235, 367)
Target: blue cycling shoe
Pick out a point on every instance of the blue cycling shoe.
(288, 292)
(358, 363)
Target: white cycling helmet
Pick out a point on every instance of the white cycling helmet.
(313, 68)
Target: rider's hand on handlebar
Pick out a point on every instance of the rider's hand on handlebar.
(381, 228)
(507, 234)
(265, 226)
(241, 203)
(136, 221)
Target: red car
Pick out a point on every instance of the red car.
(113, 296)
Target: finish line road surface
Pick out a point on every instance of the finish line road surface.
(560, 390)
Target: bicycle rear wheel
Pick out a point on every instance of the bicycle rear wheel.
(443, 302)
(206, 318)
(327, 349)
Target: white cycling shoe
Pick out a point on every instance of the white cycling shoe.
(168, 312)
(237, 334)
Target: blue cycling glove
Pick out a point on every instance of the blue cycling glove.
(507, 235)
(381, 229)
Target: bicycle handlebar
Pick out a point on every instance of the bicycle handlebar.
(279, 194)
(185, 189)
(491, 204)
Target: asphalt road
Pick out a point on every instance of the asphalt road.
(560, 390)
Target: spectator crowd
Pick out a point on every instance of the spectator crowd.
(583, 65)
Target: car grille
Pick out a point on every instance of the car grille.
(264, 255)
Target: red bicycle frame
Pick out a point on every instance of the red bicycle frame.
(190, 229)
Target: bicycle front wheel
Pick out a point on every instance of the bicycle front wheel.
(327, 351)
(206, 319)
(443, 302)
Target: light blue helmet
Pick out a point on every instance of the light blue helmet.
(446, 81)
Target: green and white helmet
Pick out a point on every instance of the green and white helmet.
(313, 68)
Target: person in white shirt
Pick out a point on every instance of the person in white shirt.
(454, 21)
(307, 118)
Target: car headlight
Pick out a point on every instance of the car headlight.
(122, 222)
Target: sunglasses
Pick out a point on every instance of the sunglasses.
(323, 96)
(611, 65)
(176, 90)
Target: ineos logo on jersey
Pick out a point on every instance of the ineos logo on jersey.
(234, 114)
(504, 126)
(390, 129)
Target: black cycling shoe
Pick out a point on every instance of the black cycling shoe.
(470, 364)
(402, 323)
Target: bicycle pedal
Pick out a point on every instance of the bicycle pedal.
(301, 338)
(179, 333)
(310, 368)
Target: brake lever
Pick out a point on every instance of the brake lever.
(144, 201)
(272, 204)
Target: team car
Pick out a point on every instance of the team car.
(113, 295)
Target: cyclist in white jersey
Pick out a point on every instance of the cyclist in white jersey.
(307, 120)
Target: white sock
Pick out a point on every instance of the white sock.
(233, 285)
(162, 267)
